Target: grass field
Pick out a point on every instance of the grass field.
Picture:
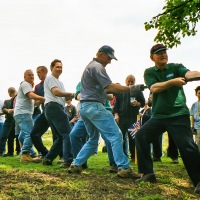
(35, 181)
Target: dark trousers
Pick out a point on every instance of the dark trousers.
(180, 130)
(157, 147)
(124, 124)
(59, 123)
(8, 134)
(41, 125)
(172, 150)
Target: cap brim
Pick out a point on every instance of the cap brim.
(112, 56)
(164, 48)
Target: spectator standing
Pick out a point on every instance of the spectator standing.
(8, 132)
(126, 110)
(2, 117)
(71, 111)
(195, 117)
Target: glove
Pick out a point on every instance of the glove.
(134, 89)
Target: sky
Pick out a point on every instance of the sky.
(34, 33)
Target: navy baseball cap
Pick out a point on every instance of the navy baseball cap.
(108, 50)
(156, 48)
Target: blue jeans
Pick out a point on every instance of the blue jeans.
(180, 131)
(25, 124)
(78, 137)
(99, 120)
(59, 123)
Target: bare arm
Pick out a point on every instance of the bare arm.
(32, 95)
(117, 88)
(159, 87)
(78, 97)
(59, 93)
(9, 111)
(192, 74)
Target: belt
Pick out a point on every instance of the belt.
(52, 102)
(90, 101)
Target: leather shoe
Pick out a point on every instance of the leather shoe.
(197, 189)
(151, 178)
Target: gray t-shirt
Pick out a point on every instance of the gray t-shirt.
(23, 104)
(93, 81)
(49, 83)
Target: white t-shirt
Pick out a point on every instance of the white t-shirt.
(49, 83)
(23, 104)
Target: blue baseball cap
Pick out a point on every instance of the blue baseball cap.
(108, 50)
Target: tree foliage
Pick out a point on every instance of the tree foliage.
(179, 19)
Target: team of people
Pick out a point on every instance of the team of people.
(169, 113)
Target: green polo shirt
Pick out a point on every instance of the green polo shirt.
(170, 102)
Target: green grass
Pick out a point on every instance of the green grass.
(36, 182)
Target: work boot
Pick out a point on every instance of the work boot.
(113, 169)
(38, 159)
(74, 169)
(25, 157)
(127, 173)
(66, 164)
(84, 166)
(34, 155)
